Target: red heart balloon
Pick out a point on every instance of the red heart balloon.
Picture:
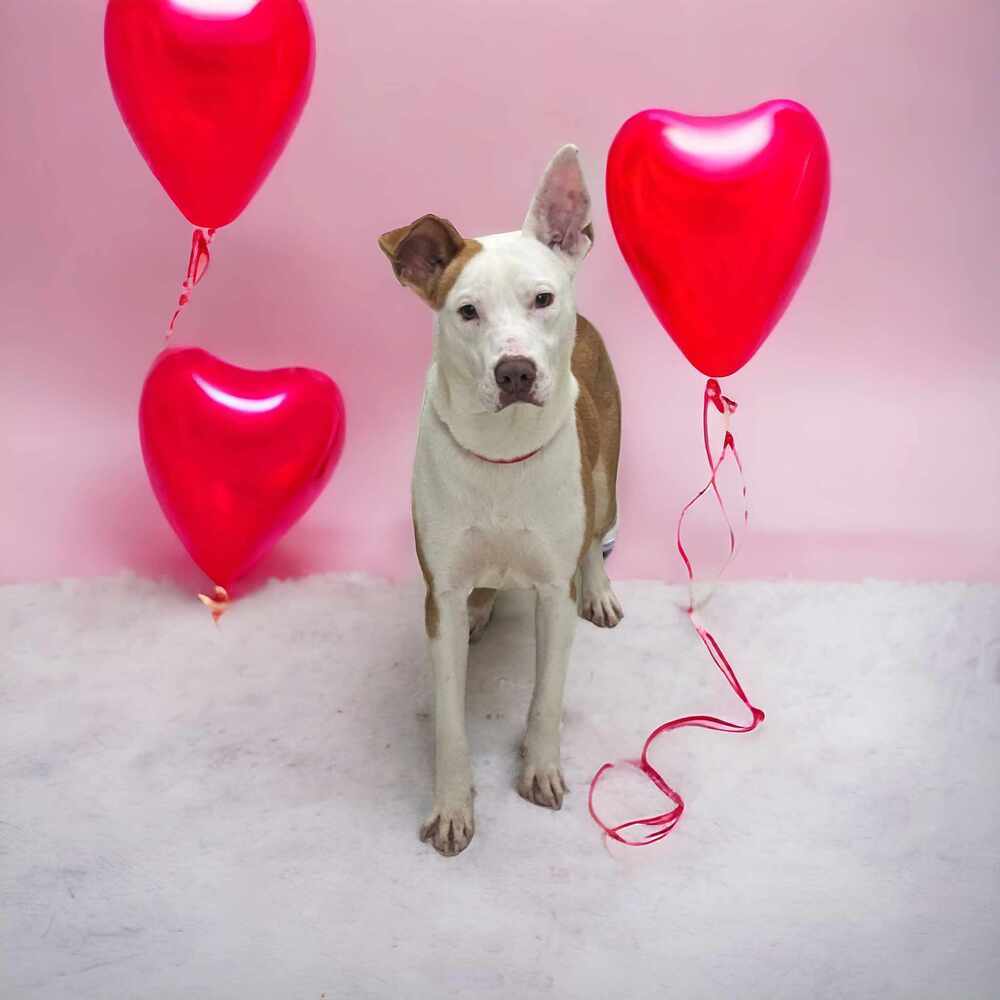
(718, 219)
(210, 91)
(236, 457)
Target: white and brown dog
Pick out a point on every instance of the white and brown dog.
(516, 463)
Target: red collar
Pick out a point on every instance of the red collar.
(505, 461)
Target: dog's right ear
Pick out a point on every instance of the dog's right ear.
(559, 215)
(421, 252)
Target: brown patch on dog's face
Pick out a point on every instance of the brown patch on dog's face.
(452, 271)
(428, 255)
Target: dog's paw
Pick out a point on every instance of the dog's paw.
(601, 607)
(449, 829)
(542, 784)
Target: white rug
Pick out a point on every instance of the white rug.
(232, 813)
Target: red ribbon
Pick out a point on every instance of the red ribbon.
(198, 261)
(506, 461)
(659, 826)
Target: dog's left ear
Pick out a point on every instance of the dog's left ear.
(420, 254)
(560, 211)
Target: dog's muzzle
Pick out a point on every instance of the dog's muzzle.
(515, 377)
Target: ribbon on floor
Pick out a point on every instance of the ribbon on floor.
(659, 826)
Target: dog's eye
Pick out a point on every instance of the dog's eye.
(543, 300)
(468, 311)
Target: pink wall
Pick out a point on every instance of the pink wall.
(865, 421)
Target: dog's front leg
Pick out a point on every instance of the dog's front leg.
(541, 779)
(450, 826)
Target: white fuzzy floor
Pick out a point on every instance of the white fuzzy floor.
(233, 813)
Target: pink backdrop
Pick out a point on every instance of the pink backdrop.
(865, 421)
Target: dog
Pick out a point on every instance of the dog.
(514, 479)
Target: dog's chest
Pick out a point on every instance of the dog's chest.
(510, 526)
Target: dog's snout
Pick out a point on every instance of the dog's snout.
(515, 376)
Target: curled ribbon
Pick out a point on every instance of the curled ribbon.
(657, 827)
(198, 261)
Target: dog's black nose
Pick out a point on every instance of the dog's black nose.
(515, 376)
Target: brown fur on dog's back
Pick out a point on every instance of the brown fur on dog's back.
(598, 423)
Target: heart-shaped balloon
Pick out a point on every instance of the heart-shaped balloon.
(718, 219)
(210, 91)
(236, 457)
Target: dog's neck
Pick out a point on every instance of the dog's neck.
(515, 431)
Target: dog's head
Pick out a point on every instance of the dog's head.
(506, 313)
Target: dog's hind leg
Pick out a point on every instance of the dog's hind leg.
(598, 602)
(481, 602)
